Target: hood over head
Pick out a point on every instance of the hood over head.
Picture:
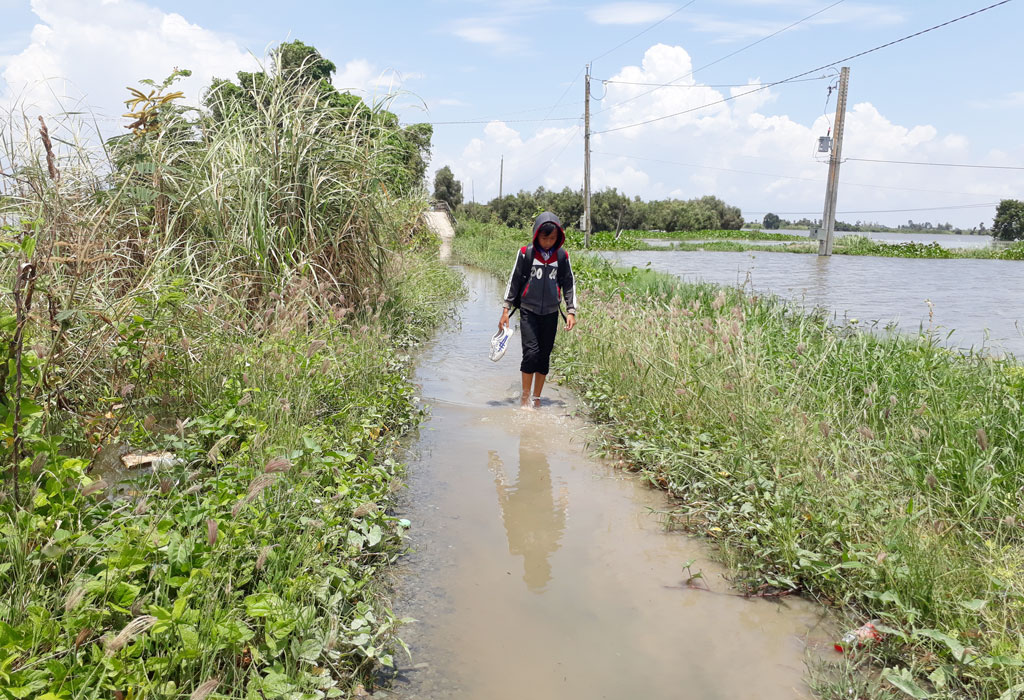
(545, 218)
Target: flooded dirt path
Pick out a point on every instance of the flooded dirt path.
(541, 572)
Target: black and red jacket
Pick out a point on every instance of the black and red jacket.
(539, 282)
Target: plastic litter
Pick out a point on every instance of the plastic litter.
(855, 639)
(499, 342)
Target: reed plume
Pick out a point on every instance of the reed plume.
(132, 630)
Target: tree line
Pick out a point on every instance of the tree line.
(1008, 224)
(611, 210)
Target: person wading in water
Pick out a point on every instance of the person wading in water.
(540, 279)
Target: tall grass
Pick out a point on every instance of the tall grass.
(880, 474)
(238, 295)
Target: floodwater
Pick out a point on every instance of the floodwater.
(943, 239)
(669, 243)
(541, 572)
(946, 240)
(979, 302)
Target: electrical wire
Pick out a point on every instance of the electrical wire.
(608, 81)
(506, 121)
(730, 55)
(874, 211)
(794, 177)
(565, 145)
(663, 19)
(942, 165)
(566, 92)
(805, 73)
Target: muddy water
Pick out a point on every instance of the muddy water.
(965, 302)
(540, 572)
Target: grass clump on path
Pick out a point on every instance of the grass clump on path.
(881, 474)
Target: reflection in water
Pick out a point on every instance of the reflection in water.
(534, 518)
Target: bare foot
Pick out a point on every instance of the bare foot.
(524, 401)
(536, 402)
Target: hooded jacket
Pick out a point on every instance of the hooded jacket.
(538, 283)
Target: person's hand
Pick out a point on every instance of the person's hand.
(570, 322)
(503, 321)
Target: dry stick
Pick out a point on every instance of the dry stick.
(24, 284)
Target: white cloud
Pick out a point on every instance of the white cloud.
(549, 158)
(1010, 99)
(740, 26)
(363, 78)
(629, 13)
(82, 54)
(750, 156)
(490, 32)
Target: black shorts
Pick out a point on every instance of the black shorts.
(538, 340)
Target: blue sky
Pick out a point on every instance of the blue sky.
(954, 95)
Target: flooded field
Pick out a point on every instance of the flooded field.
(944, 240)
(976, 303)
(541, 572)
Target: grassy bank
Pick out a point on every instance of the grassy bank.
(881, 475)
(740, 241)
(718, 234)
(205, 380)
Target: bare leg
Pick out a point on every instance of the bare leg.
(527, 383)
(538, 386)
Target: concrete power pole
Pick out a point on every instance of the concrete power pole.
(828, 219)
(586, 162)
(501, 176)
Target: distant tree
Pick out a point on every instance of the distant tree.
(447, 188)
(771, 221)
(303, 63)
(1009, 222)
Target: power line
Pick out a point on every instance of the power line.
(813, 70)
(703, 85)
(793, 177)
(566, 92)
(486, 120)
(875, 211)
(506, 121)
(663, 19)
(730, 55)
(572, 137)
(943, 165)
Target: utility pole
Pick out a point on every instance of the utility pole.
(501, 176)
(586, 162)
(472, 189)
(828, 219)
